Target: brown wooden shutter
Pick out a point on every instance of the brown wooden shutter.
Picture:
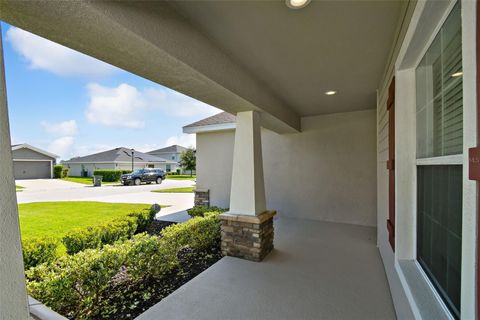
(391, 164)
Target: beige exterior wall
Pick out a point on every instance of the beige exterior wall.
(326, 172)
(214, 165)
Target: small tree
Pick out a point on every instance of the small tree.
(188, 160)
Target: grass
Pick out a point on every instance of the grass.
(84, 180)
(55, 219)
(19, 188)
(181, 177)
(176, 190)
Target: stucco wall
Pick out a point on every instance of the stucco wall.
(214, 165)
(326, 172)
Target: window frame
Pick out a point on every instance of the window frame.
(456, 159)
(425, 302)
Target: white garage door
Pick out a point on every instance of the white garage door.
(32, 169)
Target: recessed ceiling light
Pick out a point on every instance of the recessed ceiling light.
(330, 93)
(457, 74)
(297, 4)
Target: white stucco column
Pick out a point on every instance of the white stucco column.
(13, 295)
(247, 195)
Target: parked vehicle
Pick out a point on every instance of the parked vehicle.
(146, 175)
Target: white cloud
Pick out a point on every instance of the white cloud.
(65, 128)
(62, 146)
(115, 107)
(185, 140)
(46, 55)
(179, 105)
(127, 106)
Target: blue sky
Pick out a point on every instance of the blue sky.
(72, 105)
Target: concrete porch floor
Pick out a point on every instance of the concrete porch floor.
(318, 270)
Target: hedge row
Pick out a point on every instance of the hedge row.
(73, 284)
(38, 251)
(199, 211)
(109, 175)
(97, 236)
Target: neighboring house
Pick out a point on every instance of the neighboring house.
(115, 159)
(172, 153)
(357, 121)
(30, 162)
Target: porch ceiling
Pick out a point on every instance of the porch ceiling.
(301, 54)
(234, 55)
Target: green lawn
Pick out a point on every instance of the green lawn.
(54, 219)
(181, 177)
(19, 188)
(84, 180)
(176, 190)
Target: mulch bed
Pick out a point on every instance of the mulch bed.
(127, 300)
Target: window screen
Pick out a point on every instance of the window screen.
(439, 229)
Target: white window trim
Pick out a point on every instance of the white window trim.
(406, 163)
(444, 160)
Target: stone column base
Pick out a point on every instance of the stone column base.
(247, 237)
(202, 197)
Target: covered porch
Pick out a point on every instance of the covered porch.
(311, 141)
(318, 270)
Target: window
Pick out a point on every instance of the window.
(439, 161)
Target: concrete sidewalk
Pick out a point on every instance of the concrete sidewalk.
(59, 190)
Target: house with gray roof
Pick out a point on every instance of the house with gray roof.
(172, 153)
(115, 159)
(30, 162)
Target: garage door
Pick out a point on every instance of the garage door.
(32, 169)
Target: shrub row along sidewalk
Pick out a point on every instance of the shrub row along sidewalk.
(42, 250)
(145, 268)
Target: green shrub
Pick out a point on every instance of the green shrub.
(143, 219)
(65, 171)
(126, 171)
(197, 233)
(57, 171)
(109, 175)
(95, 237)
(108, 233)
(178, 171)
(149, 257)
(37, 251)
(73, 284)
(199, 211)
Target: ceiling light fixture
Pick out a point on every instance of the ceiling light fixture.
(297, 4)
(330, 93)
(457, 74)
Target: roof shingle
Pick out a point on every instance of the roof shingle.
(222, 117)
(118, 155)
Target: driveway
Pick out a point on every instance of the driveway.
(42, 190)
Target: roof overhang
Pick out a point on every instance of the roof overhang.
(210, 128)
(27, 146)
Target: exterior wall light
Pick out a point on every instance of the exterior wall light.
(297, 4)
(330, 93)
